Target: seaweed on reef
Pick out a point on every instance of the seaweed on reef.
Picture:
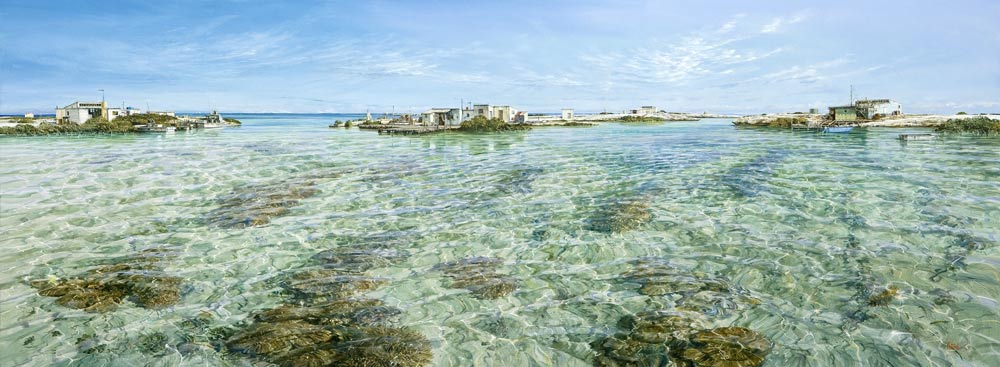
(322, 325)
(137, 277)
(344, 333)
(669, 338)
(673, 328)
(313, 285)
(357, 260)
(678, 337)
(621, 217)
(365, 312)
(883, 298)
(518, 180)
(750, 179)
(500, 326)
(479, 275)
(624, 351)
(727, 347)
(964, 246)
(690, 290)
(256, 205)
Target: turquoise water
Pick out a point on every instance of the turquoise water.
(803, 228)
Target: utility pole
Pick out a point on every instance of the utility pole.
(104, 108)
(852, 94)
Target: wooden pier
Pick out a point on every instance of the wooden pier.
(913, 137)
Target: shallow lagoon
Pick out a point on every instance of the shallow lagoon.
(804, 229)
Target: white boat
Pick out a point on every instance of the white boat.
(214, 121)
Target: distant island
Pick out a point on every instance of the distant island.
(98, 118)
(875, 113)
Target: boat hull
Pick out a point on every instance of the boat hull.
(838, 130)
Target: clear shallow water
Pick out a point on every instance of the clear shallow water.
(801, 223)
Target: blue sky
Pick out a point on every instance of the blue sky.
(349, 56)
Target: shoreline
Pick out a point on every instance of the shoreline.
(789, 120)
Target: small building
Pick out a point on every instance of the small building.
(484, 110)
(644, 110)
(504, 113)
(871, 109)
(567, 114)
(29, 115)
(441, 116)
(520, 117)
(79, 112)
(813, 111)
(162, 113)
(844, 113)
(114, 113)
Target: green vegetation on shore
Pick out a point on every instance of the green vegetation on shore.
(977, 125)
(144, 118)
(576, 124)
(123, 124)
(639, 119)
(787, 122)
(482, 124)
(782, 122)
(91, 126)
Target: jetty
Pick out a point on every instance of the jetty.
(914, 137)
(411, 129)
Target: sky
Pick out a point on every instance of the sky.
(352, 56)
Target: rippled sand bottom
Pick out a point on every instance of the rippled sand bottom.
(841, 250)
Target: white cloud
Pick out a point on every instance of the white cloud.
(778, 23)
(730, 25)
(693, 57)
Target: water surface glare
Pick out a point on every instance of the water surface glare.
(806, 231)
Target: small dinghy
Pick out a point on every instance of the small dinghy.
(838, 129)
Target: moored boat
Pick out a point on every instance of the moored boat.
(838, 129)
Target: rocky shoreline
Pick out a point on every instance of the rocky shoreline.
(788, 120)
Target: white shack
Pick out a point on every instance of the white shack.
(441, 116)
(872, 108)
(505, 113)
(644, 110)
(79, 112)
(567, 114)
